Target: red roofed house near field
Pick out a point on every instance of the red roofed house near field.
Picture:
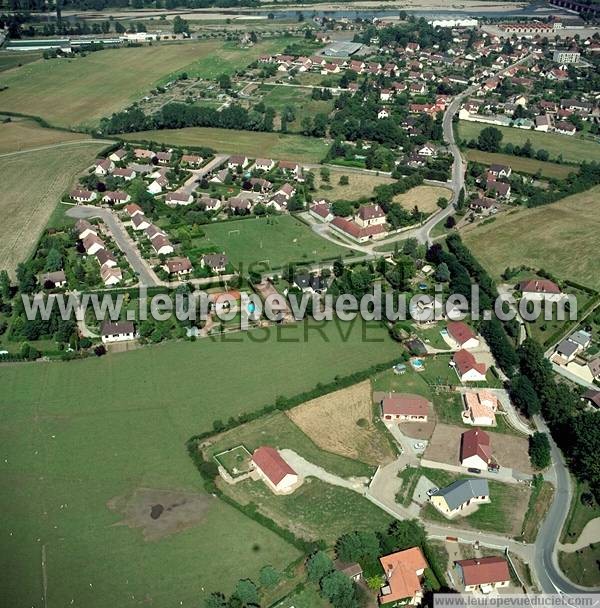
(274, 470)
(540, 289)
(404, 406)
(483, 573)
(467, 368)
(403, 573)
(475, 449)
(462, 334)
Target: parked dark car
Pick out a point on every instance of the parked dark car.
(474, 470)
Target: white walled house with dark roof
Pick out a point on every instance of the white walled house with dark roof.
(117, 331)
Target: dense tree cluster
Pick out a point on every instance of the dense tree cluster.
(178, 115)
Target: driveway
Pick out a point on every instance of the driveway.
(308, 469)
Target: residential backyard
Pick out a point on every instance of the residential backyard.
(314, 511)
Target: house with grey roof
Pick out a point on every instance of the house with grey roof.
(566, 351)
(582, 338)
(460, 495)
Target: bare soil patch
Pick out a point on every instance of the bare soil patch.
(508, 450)
(342, 423)
(359, 184)
(160, 513)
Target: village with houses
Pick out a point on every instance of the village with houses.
(265, 454)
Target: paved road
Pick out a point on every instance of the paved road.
(545, 559)
(143, 270)
(197, 174)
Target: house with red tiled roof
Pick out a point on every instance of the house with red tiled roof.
(480, 408)
(475, 449)
(483, 574)
(462, 335)
(467, 368)
(274, 470)
(403, 573)
(405, 407)
(353, 231)
(540, 289)
(321, 210)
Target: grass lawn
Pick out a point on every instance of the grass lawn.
(275, 145)
(573, 149)
(278, 431)
(83, 433)
(583, 566)
(30, 188)
(432, 337)
(316, 510)
(410, 477)
(359, 185)
(521, 165)
(279, 239)
(228, 58)
(546, 332)
(24, 134)
(15, 59)
(308, 597)
(539, 503)
(80, 91)
(278, 97)
(579, 514)
(565, 243)
(423, 197)
(500, 515)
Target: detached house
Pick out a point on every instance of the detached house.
(540, 289)
(264, 164)
(110, 275)
(237, 161)
(480, 408)
(92, 244)
(274, 470)
(216, 262)
(83, 228)
(475, 449)
(140, 222)
(103, 166)
(322, 211)
(82, 196)
(467, 368)
(403, 573)
(405, 407)
(462, 335)
(483, 574)
(54, 279)
(117, 331)
(500, 171)
(125, 174)
(179, 198)
(460, 495)
(179, 266)
(370, 215)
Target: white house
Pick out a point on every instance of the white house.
(179, 198)
(475, 449)
(467, 368)
(274, 470)
(461, 335)
(483, 574)
(264, 164)
(140, 222)
(111, 275)
(541, 289)
(383, 113)
(117, 331)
